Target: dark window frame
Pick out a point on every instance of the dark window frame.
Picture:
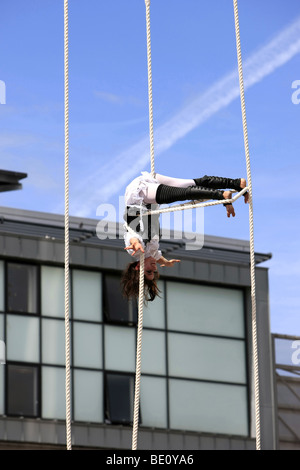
(131, 315)
(36, 266)
(108, 403)
(24, 365)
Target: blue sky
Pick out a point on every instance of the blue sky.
(197, 115)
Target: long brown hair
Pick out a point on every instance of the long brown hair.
(130, 283)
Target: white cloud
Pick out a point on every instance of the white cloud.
(129, 163)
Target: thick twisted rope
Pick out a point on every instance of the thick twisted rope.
(67, 257)
(141, 281)
(195, 204)
(147, 3)
(138, 356)
(252, 256)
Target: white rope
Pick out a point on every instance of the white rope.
(67, 262)
(252, 256)
(141, 281)
(195, 204)
(138, 355)
(147, 3)
(191, 205)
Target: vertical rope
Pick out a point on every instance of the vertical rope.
(138, 355)
(142, 258)
(252, 257)
(67, 262)
(147, 3)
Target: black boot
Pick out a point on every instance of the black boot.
(168, 194)
(216, 182)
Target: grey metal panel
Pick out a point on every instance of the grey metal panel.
(45, 250)
(109, 437)
(96, 435)
(126, 438)
(93, 257)
(245, 276)
(222, 443)
(176, 441)
(48, 432)
(12, 246)
(77, 254)
(207, 443)
(80, 436)
(231, 274)
(31, 431)
(238, 444)
(109, 259)
(160, 441)
(14, 430)
(201, 270)
(216, 272)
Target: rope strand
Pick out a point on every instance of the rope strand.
(150, 97)
(138, 355)
(252, 255)
(67, 262)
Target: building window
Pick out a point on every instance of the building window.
(87, 295)
(53, 393)
(23, 339)
(88, 396)
(53, 291)
(116, 308)
(119, 395)
(208, 407)
(22, 288)
(23, 390)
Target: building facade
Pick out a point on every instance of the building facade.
(197, 387)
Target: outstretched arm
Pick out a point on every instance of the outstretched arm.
(169, 263)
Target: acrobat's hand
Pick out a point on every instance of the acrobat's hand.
(230, 210)
(229, 206)
(168, 263)
(135, 246)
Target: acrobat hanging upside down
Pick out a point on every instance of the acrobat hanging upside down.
(146, 193)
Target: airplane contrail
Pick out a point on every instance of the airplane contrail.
(129, 163)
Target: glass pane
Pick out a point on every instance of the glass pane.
(22, 390)
(154, 352)
(53, 291)
(153, 402)
(207, 358)
(1, 286)
(120, 347)
(88, 404)
(87, 345)
(205, 309)
(53, 393)
(119, 398)
(2, 393)
(154, 312)
(116, 308)
(2, 341)
(53, 341)
(22, 288)
(2, 362)
(87, 295)
(23, 340)
(208, 407)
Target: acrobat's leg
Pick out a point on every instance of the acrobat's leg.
(163, 194)
(217, 182)
(178, 182)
